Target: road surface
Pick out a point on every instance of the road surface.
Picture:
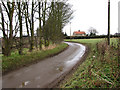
(46, 71)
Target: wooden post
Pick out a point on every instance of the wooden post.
(70, 30)
(108, 22)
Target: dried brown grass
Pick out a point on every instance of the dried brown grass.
(49, 47)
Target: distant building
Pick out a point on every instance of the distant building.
(117, 34)
(79, 33)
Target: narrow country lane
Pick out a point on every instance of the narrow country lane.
(41, 74)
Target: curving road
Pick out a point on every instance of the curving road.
(46, 71)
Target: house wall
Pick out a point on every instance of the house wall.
(74, 34)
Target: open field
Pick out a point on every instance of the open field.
(92, 41)
(101, 68)
(16, 61)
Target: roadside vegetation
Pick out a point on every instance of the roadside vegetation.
(101, 68)
(16, 61)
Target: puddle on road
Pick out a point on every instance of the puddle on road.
(80, 52)
(24, 84)
(60, 68)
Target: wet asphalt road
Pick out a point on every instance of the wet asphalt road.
(41, 74)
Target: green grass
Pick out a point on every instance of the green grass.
(16, 61)
(100, 70)
(89, 41)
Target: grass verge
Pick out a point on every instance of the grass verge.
(16, 61)
(101, 68)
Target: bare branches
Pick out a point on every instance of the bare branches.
(6, 9)
(3, 26)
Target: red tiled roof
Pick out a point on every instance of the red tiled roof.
(79, 32)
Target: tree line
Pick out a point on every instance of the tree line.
(18, 17)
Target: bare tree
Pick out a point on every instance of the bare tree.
(20, 16)
(29, 19)
(92, 31)
(60, 14)
(9, 8)
(40, 28)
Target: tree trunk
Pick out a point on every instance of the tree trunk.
(40, 30)
(32, 28)
(44, 29)
(7, 48)
(27, 21)
(20, 24)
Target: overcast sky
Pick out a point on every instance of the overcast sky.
(93, 13)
